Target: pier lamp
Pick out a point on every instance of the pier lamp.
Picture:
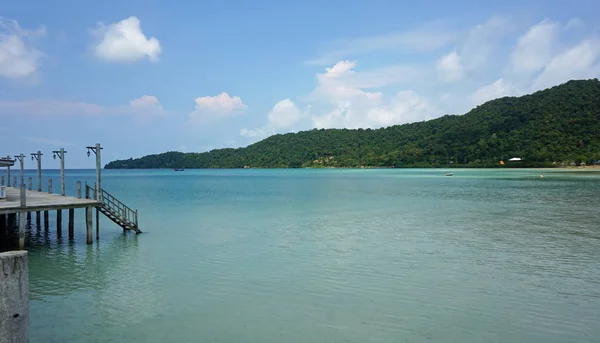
(21, 159)
(38, 156)
(8, 172)
(61, 155)
(97, 149)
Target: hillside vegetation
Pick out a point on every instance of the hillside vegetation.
(560, 124)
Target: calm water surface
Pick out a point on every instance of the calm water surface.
(328, 256)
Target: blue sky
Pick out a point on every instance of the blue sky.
(145, 77)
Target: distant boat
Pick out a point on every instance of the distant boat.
(448, 174)
(178, 169)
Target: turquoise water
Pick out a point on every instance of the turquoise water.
(328, 256)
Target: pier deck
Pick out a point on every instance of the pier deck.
(42, 201)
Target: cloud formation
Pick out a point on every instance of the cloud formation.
(218, 106)
(487, 61)
(124, 41)
(19, 56)
(282, 118)
(145, 106)
(429, 37)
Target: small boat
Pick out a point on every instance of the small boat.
(448, 174)
(178, 169)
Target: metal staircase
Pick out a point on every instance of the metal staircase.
(115, 210)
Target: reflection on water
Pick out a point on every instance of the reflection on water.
(328, 255)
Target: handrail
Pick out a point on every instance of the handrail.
(115, 206)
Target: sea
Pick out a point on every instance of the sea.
(325, 255)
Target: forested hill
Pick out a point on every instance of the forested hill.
(560, 124)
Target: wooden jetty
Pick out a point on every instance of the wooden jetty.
(18, 201)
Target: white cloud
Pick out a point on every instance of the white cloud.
(284, 114)
(146, 103)
(340, 100)
(534, 49)
(449, 67)
(145, 106)
(574, 23)
(480, 45)
(497, 89)
(346, 104)
(282, 117)
(259, 133)
(19, 57)
(429, 37)
(221, 105)
(124, 41)
(581, 61)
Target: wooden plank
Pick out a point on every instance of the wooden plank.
(40, 201)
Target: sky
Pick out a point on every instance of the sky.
(144, 77)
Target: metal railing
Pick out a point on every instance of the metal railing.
(116, 207)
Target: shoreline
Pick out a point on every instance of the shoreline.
(577, 168)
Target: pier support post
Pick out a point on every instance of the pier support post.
(15, 181)
(88, 224)
(78, 189)
(14, 297)
(71, 223)
(46, 212)
(29, 185)
(2, 180)
(97, 224)
(59, 222)
(8, 176)
(22, 230)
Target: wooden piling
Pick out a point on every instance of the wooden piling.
(71, 223)
(21, 230)
(49, 186)
(97, 224)
(59, 221)
(78, 189)
(2, 180)
(23, 196)
(29, 186)
(14, 297)
(88, 224)
(15, 181)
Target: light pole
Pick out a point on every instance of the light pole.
(61, 155)
(38, 156)
(21, 159)
(8, 172)
(97, 150)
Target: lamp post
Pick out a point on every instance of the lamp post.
(8, 172)
(38, 156)
(21, 159)
(61, 155)
(97, 150)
